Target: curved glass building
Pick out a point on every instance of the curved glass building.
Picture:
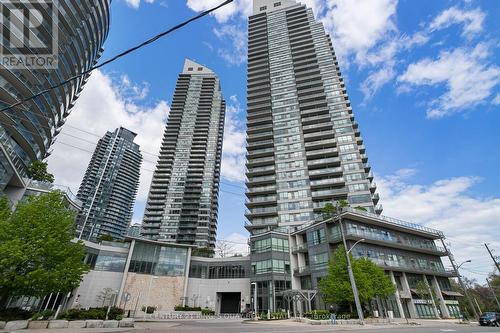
(75, 30)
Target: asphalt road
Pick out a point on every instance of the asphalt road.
(236, 326)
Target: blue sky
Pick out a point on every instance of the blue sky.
(423, 78)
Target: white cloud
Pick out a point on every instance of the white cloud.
(496, 100)
(232, 244)
(234, 145)
(137, 3)
(472, 20)
(446, 205)
(104, 105)
(358, 26)
(468, 77)
(236, 36)
(222, 15)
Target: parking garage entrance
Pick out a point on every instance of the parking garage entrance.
(230, 302)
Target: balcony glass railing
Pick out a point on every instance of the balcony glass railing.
(329, 192)
(324, 161)
(325, 171)
(328, 181)
(262, 199)
(398, 222)
(261, 189)
(390, 237)
(45, 186)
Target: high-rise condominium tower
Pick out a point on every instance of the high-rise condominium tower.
(28, 130)
(109, 187)
(304, 147)
(183, 198)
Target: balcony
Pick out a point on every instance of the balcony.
(373, 187)
(260, 161)
(321, 144)
(262, 179)
(322, 152)
(299, 248)
(329, 181)
(260, 170)
(261, 200)
(318, 135)
(379, 208)
(259, 211)
(258, 152)
(261, 190)
(329, 193)
(375, 198)
(303, 270)
(261, 143)
(257, 136)
(323, 161)
(326, 171)
(394, 240)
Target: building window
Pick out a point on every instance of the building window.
(263, 8)
(158, 260)
(277, 4)
(200, 69)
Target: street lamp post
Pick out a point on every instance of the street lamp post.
(254, 284)
(349, 267)
(459, 277)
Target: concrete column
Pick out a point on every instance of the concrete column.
(442, 304)
(411, 305)
(434, 306)
(398, 298)
(125, 273)
(186, 276)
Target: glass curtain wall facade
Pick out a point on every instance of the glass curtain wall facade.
(304, 148)
(27, 131)
(182, 206)
(109, 187)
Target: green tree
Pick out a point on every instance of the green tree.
(329, 210)
(426, 292)
(370, 280)
(38, 171)
(106, 237)
(38, 255)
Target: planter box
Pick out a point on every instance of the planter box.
(77, 324)
(58, 324)
(16, 325)
(110, 324)
(38, 324)
(94, 323)
(126, 322)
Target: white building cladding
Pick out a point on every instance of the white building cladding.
(183, 199)
(27, 131)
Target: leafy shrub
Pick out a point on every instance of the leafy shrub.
(44, 315)
(116, 313)
(14, 314)
(207, 312)
(263, 316)
(317, 314)
(92, 313)
(186, 308)
(279, 315)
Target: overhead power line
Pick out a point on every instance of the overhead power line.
(118, 56)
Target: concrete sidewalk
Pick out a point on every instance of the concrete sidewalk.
(74, 330)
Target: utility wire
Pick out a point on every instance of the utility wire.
(118, 56)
